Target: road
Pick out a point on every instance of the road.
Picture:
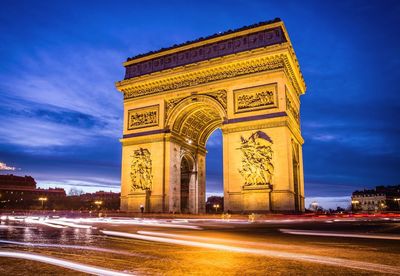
(125, 246)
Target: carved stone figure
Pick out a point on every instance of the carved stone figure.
(141, 170)
(257, 167)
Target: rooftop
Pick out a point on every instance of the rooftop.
(259, 24)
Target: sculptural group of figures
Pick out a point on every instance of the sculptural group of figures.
(257, 167)
(141, 170)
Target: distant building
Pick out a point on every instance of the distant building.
(106, 200)
(382, 198)
(20, 192)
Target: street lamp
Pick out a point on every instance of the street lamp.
(42, 199)
(216, 206)
(398, 202)
(98, 203)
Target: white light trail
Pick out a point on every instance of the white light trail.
(83, 222)
(336, 234)
(144, 222)
(62, 263)
(70, 224)
(42, 222)
(270, 253)
(67, 246)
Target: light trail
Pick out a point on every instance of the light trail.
(83, 222)
(270, 253)
(42, 222)
(80, 247)
(76, 222)
(70, 224)
(62, 263)
(336, 234)
(16, 227)
(157, 223)
(228, 241)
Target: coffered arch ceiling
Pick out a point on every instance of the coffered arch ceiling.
(195, 120)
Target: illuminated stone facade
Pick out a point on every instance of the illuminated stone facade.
(246, 82)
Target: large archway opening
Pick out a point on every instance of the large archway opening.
(214, 173)
(192, 123)
(185, 179)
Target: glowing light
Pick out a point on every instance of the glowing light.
(158, 223)
(216, 206)
(271, 253)
(62, 263)
(37, 221)
(42, 199)
(88, 248)
(75, 222)
(70, 224)
(335, 234)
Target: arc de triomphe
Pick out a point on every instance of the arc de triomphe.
(247, 82)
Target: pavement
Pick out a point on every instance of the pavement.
(200, 245)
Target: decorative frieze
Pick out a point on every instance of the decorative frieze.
(255, 98)
(143, 117)
(141, 170)
(205, 52)
(206, 76)
(257, 168)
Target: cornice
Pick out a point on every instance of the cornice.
(240, 127)
(207, 40)
(277, 122)
(145, 139)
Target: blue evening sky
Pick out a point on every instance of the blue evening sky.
(61, 116)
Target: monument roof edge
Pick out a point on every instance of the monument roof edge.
(138, 58)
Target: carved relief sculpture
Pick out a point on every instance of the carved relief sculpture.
(255, 98)
(257, 167)
(143, 117)
(141, 170)
(292, 109)
(220, 73)
(219, 95)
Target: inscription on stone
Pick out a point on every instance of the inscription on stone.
(255, 98)
(143, 117)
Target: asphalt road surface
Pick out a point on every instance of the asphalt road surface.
(129, 246)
